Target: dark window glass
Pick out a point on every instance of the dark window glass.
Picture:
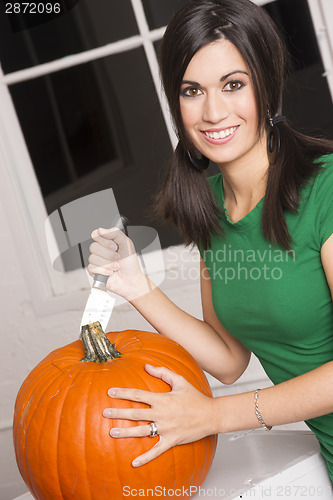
(296, 30)
(97, 126)
(307, 100)
(89, 24)
(159, 12)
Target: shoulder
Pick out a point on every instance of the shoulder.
(326, 163)
(215, 179)
(321, 199)
(323, 180)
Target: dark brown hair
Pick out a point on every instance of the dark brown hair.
(185, 197)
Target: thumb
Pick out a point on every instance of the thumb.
(168, 376)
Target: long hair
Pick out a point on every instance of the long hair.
(184, 197)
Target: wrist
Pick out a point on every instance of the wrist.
(236, 413)
(140, 286)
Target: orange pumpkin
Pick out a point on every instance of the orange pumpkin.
(62, 442)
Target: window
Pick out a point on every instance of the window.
(308, 82)
(84, 103)
(86, 26)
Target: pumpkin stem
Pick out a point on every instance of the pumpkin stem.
(97, 347)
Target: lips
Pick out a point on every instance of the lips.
(219, 136)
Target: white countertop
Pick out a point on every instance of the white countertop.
(260, 465)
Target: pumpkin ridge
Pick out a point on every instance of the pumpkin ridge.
(24, 390)
(57, 427)
(80, 372)
(37, 406)
(179, 358)
(43, 376)
(85, 443)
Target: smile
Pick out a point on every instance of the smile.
(221, 134)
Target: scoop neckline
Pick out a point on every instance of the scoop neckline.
(249, 220)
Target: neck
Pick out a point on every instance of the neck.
(244, 183)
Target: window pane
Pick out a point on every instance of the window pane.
(97, 126)
(306, 83)
(159, 12)
(90, 24)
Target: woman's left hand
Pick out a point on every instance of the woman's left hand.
(182, 415)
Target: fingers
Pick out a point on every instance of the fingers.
(158, 404)
(138, 414)
(134, 431)
(108, 254)
(101, 265)
(142, 431)
(113, 238)
(160, 447)
(136, 395)
(105, 239)
(168, 376)
(105, 252)
(106, 234)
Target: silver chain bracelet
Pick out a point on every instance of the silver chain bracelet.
(258, 414)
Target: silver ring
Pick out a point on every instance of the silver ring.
(153, 429)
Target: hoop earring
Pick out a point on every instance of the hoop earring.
(200, 164)
(273, 145)
(274, 138)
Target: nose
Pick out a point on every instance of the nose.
(215, 108)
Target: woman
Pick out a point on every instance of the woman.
(264, 228)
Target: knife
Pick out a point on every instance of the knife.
(100, 302)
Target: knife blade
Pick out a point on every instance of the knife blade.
(100, 302)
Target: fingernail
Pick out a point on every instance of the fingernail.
(135, 463)
(113, 245)
(111, 393)
(116, 266)
(107, 413)
(114, 432)
(102, 230)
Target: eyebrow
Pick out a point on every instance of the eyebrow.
(224, 77)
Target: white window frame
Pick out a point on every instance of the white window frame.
(51, 291)
(322, 17)
(22, 197)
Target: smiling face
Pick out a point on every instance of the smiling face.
(218, 106)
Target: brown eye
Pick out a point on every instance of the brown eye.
(191, 92)
(232, 86)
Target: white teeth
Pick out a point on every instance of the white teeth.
(222, 134)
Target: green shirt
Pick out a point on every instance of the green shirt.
(278, 304)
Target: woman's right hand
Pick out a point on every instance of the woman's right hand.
(113, 254)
